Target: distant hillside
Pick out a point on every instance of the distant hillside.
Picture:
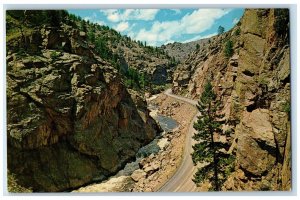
(181, 51)
(141, 65)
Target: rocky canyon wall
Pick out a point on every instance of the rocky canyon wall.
(70, 119)
(254, 86)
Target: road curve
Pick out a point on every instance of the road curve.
(181, 181)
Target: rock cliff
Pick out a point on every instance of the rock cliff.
(253, 83)
(70, 119)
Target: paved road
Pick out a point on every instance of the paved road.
(181, 181)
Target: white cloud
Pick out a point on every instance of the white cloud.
(202, 19)
(235, 21)
(122, 26)
(87, 18)
(196, 22)
(169, 42)
(100, 22)
(114, 15)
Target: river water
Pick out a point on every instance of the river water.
(167, 124)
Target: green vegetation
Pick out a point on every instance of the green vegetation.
(106, 42)
(237, 32)
(136, 80)
(286, 107)
(35, 18)
(197, 47)
(228, 51)
(281, 24)
(155, 89)
(54, 55)
(208, 150)
(221, 30)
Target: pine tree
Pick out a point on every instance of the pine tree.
(83, 26)
(228, 51)
(54, 18)
(221, 30)
(208, 151)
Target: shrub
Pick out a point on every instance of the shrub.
(228, 51)
(286, 107)
(54, 55)
(237, 32)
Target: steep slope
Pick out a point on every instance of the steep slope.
(252, 79)
(126, 53)
(70, 119)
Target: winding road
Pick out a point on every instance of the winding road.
(181, 181)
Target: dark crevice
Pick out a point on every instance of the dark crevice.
(249, 174)
(286, 80)
(279, 157)
(251, 107)
(234, 78)
(248, 73)
(273, 151)
(38, 104)
(252, 33)
(260, 101)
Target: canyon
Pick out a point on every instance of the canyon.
(76, 122)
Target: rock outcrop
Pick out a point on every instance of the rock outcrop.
(180, 51)
(254, 86)
(70, 119)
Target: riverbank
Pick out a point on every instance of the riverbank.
(171, 157)
(152, 172)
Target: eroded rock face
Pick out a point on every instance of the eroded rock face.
(254, 87)
(70, 119)
(256, 150)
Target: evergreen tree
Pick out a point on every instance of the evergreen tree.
(207, 150)
(91, 36)
(142, 80)
(83, 26)
(55, 18)
(228, 51)
(221, 30)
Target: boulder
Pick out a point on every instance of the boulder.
(138, 174)
(151, 168)
(163, 143)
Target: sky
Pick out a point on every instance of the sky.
(162, 26)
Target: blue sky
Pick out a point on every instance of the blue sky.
(162, 26)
